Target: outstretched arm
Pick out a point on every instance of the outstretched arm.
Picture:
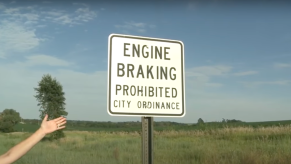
(23, 147)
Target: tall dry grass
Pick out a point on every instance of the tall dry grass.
(240, 145)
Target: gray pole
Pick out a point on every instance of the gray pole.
(147, 139)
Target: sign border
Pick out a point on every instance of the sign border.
(111, 36)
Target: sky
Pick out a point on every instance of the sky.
(237, 54)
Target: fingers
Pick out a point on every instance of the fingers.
(61, 123)
(61, 127)
(45, 117)
(60, 118)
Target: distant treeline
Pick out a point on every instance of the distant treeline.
(107, 124)
(166, 124)
(31, 125)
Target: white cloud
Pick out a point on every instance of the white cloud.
(134, 26)
(257, 83)
(41, 26)
(218, 70)
(201, 76)
(85, 14)
(17, 31)
(39, 60)
(246, 73)
(31, 15)
(15, 37)
(213, 85)
(282, 65)
(20, 14)
(2, 5)
(199, 82)
(141, 30)
(11, 11)
(19, 24)
(64, 19)
(46, 60)
(152, 26)
(54, 13)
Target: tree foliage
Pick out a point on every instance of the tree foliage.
(9, 118)
(231, 121)
(200, 121)
(51, 100)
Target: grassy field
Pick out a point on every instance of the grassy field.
(239, 145)
(31, 127)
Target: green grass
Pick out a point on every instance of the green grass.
(26, 127)
(239, 145)
(34, 127)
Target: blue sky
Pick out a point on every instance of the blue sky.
(237, 55)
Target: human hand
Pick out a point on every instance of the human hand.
(52, 125)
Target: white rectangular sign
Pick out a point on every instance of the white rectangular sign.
(145, 77)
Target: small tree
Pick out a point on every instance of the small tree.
(200, 121)
(51, 99)
(8, 119)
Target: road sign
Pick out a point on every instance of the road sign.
(145, 77)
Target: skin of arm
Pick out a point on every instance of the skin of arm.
(23, 147)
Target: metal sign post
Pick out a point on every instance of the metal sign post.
(147, 140)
